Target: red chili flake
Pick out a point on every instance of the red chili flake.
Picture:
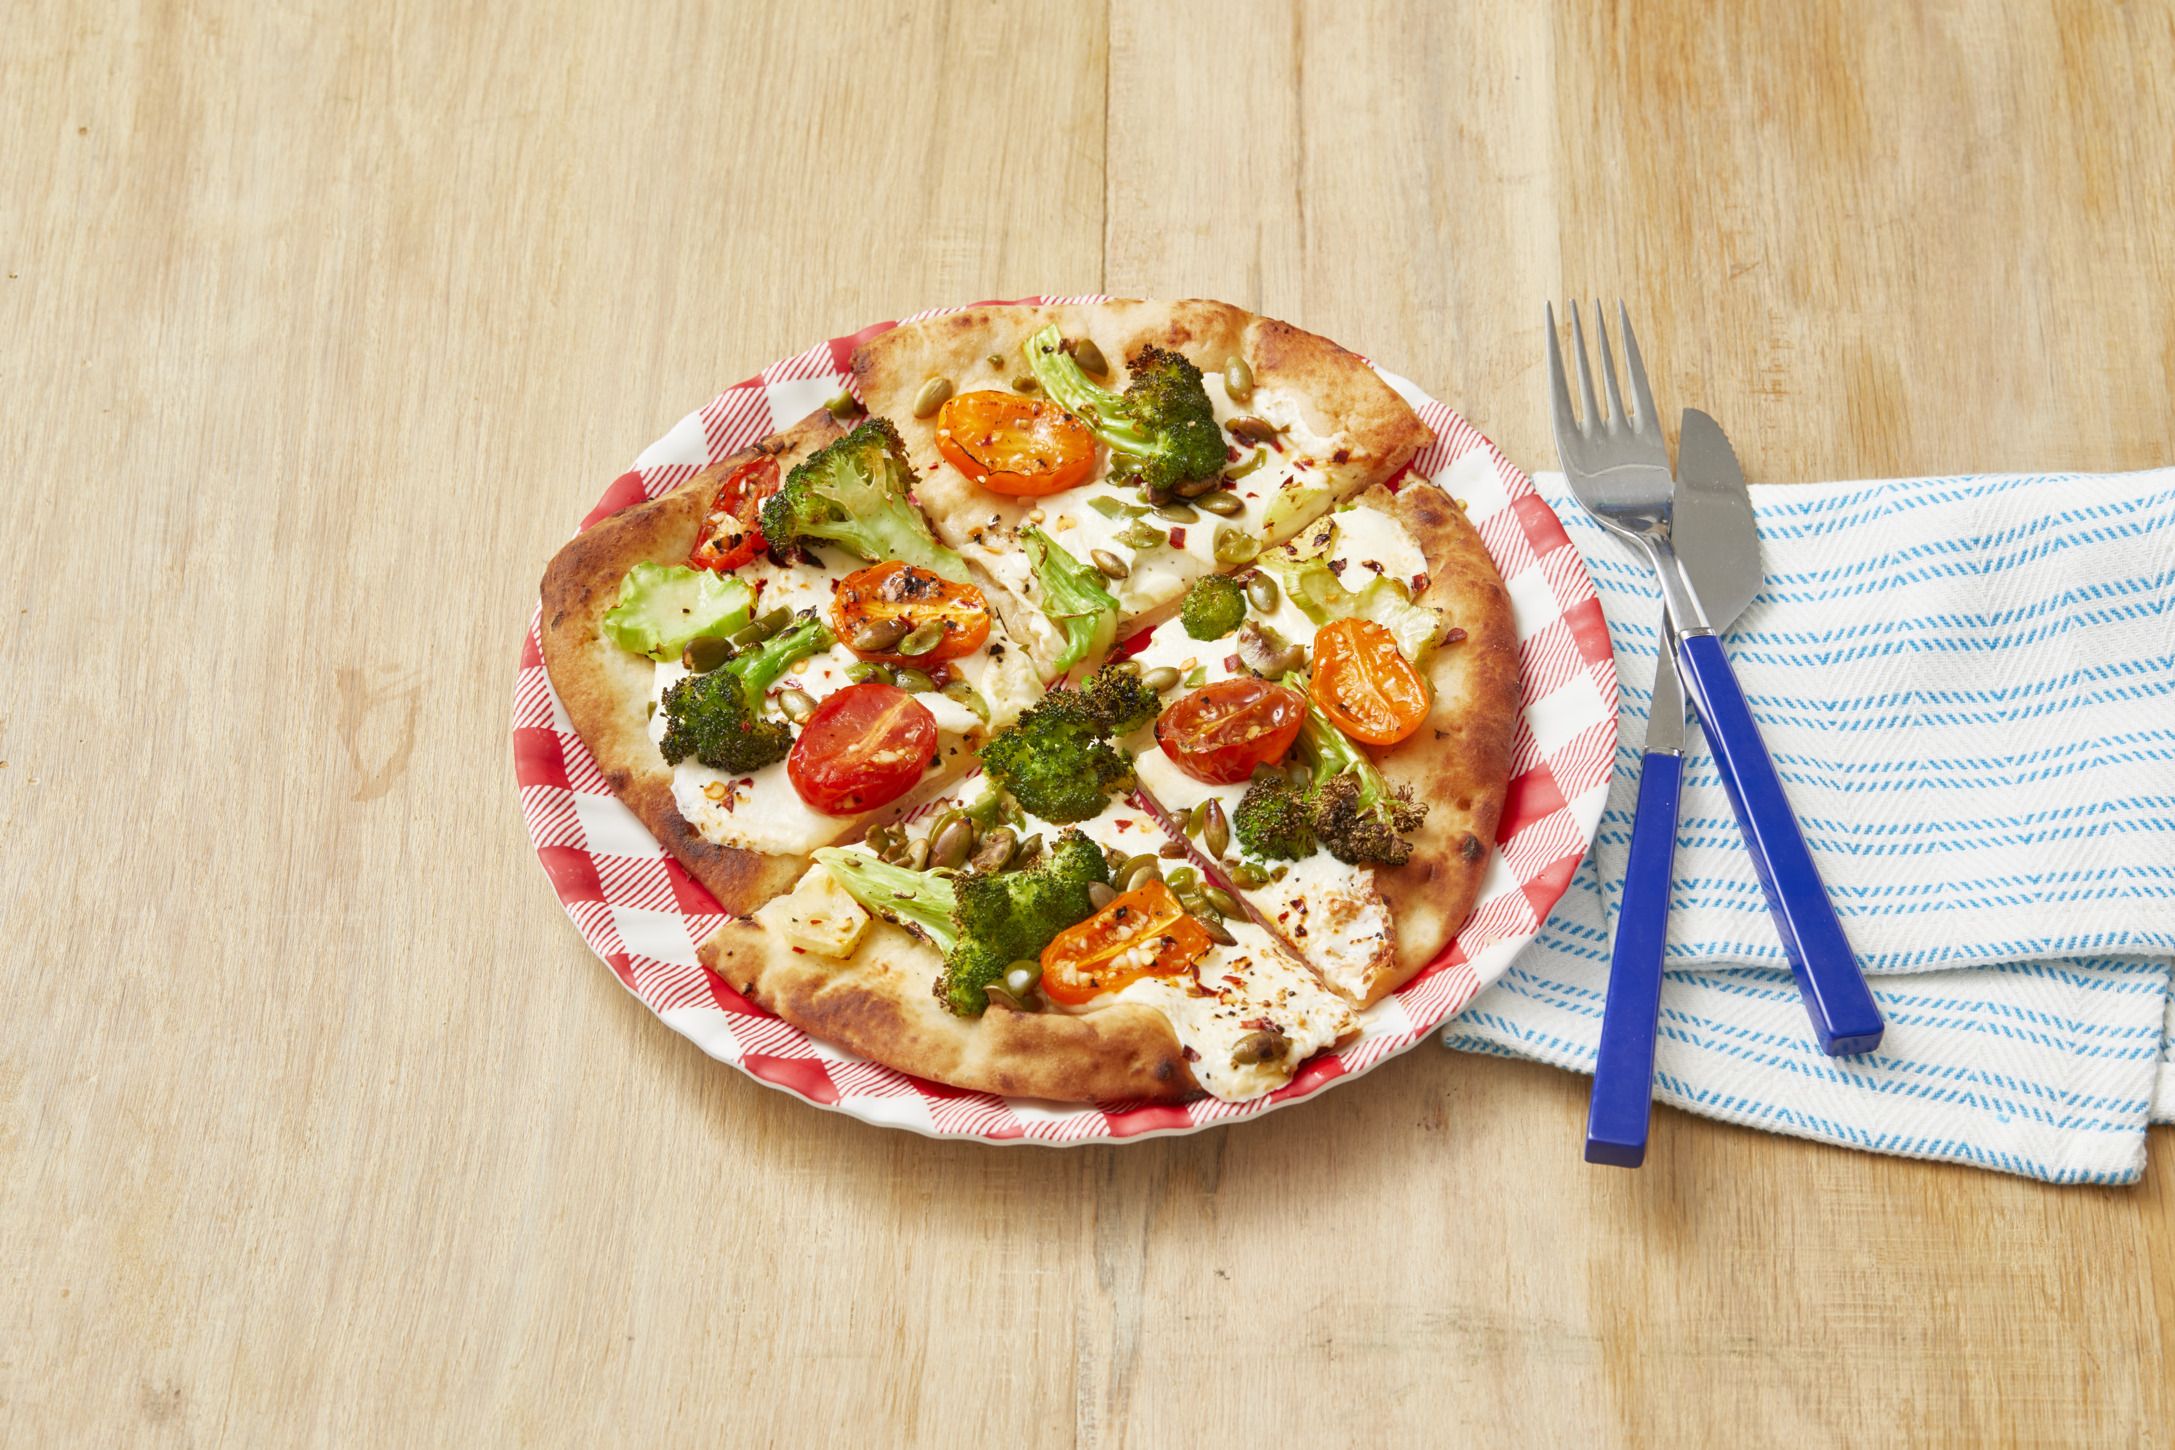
(1178, 538)
(1231, 453)
(1256, 1024)
(1231, 663)
(1190, 1054)
(1342, 455)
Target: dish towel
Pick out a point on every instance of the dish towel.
(1968, 686)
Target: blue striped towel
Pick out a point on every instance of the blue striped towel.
(1968, 685)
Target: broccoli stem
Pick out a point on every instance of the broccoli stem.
(760, 668)
(1078, 394)
(919, 900)
(1073, 595)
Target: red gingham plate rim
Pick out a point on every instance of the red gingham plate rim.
(1563, 754)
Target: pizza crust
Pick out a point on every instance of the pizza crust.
(879, 1003)
(606, 691)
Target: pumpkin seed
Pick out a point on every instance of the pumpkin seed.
(1025, 383)
(1159, 679)
(1139, 871)
(995, 852)
(1111, 565)
(1140, 534)
(797, 704)
(844, 406)
(1193, 488)
(863, 671)
(1221, 899)
(1217, 931)
(984, 810)
(1196, 677)
(704, 653)
(1100, 896)
(965, 693)
(1215, 828)
(1247, 464)
(923, 638)
(1171, 850)
(951, 845)
(914, 681)
(1182, 878)
(1109, 507)
(1029, 850)
(1263, 1046)
(1261, 592)
(1197, 817)
(1022, 977)
(932, 396)
(1158, 492)
(1238, 379)
(1178, 513)
(1090, 357)
(1249, 429)
(917, 854)
(1248, 876)
(880, 636)
(1225, 505)
(1235, 546)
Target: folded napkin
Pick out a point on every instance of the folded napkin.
(1968, 686)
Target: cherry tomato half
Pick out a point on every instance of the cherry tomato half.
(730, 535)
(1365, 684)
(1022, 447)
(863, 747)
(1144, 933)
(915, 598)
(1220, 732)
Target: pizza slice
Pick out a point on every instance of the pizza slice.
(1095, 459)
(990, 949)
(777, 654)
(1336, 746)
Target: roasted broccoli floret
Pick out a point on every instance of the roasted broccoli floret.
(1274, 819)
(1119, 701)
(717, 717)
(1162, 427)
(1057, 760)
(1357, 814)
(852, 492)
(1213, 607)
(982, 922)
(1010, 916)
(1073, 596)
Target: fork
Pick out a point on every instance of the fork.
(1618, 467)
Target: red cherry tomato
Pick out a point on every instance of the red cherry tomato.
(730, 535)
(1022, 447)
(1365, 684)
(1144, 933)
(1220, 732)
(863, 747)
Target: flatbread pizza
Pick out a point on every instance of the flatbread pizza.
(1000, 791)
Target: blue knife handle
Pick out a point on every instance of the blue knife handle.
(1844, 1016)
(1623, 1074)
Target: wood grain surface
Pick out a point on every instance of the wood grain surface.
(323, 324)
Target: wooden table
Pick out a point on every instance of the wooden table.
(324, 324)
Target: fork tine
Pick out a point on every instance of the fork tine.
(1559, 389)
(1640, 393)
(1585, 373)
(1617, 417)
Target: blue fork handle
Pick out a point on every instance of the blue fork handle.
(1623, 1074)
(1844, 1017)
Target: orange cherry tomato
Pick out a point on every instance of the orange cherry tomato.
(864, 746)
(730, 535)
(1022, 447)
(1220, 732)
(1144, 933)
(914, 597)
(1365, 684)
